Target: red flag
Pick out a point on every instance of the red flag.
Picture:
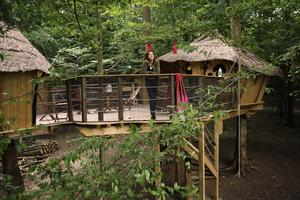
(174, 48)
(149, 47)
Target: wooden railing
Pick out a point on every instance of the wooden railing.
(117, 98)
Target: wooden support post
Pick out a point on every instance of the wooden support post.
(218, 129)
(243, 146)
(83, 100)
(10, 166)
(158, 169)
(120, 90)
(173, 100)
(201, 163)
(100, 102)
(69, 100)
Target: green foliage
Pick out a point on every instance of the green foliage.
(129, 173)
(73, 62)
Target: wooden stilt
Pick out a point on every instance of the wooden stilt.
(218, 129)
(158, 170)
(243, 146)
(201, 164)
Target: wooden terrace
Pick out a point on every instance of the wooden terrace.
(96, 100)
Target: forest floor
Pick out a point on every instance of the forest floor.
(274, 160)
(273, 152)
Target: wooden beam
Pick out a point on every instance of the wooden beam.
(110, 130)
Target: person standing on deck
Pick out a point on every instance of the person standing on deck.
(151, 66)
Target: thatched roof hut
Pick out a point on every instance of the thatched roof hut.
(20, 55)
(213, 46)
(21, 64)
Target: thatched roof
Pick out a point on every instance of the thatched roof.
(213, 46)
(180, 55)
(19, 54)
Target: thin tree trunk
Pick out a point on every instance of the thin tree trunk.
(240, 161)
(147, 23)
(235, 23)
(147, 20)
(290, 102)
(100, 68)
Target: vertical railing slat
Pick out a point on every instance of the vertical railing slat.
(83, 100)
(100, 101)
(173, 95)
(120, 98)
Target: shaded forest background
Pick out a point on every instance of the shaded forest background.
(109, 36)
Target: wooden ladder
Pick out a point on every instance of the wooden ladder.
(204, 152)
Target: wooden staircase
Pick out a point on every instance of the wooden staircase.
(204, 168)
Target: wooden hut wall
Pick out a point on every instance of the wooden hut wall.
(198, 67)
(18, 85)
(253, 89)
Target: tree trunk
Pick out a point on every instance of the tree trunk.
(240, 160)
(100, 68)
(147, 20)
(10, 166)
(290, 101)
(147, 23)
(235, 23)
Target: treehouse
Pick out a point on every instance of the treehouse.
(103, 105)
(21, 64)
(214, 56)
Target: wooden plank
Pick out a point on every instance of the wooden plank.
(120, 100)
(262, 89)
(83, 100)
(69, 100)
(194, 153)
(111, 130)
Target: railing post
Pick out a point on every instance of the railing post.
(83, 99)
(173, 100)
(100, 101)
(120, 102)
(69, 100)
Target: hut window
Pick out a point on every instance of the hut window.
(219, 69)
